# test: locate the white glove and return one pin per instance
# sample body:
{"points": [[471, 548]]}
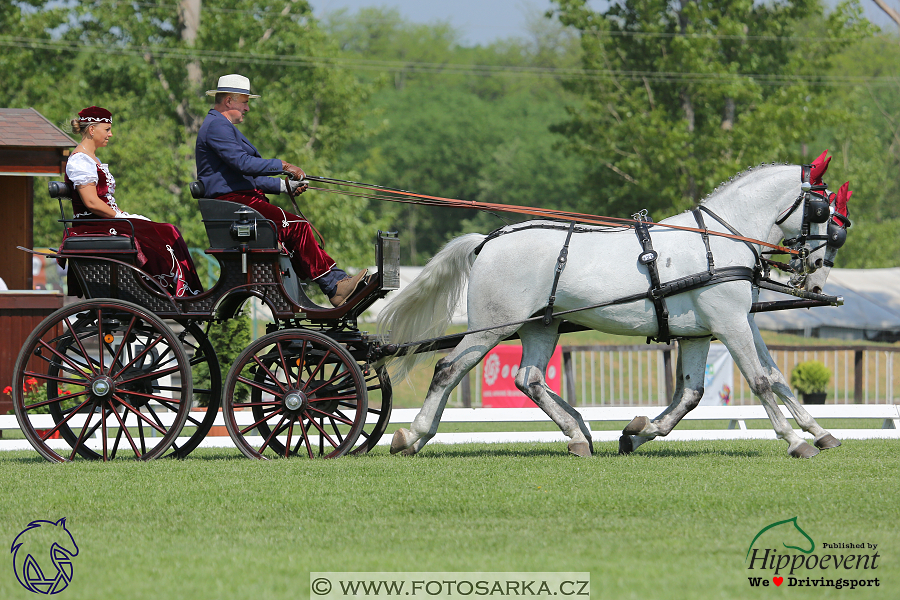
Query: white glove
{"points": [[294, 185], [125, 215]]}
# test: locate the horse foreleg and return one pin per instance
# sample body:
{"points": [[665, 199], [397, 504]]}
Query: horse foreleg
{"points": [[740, 344], [448, 372], [690, 368], [538, 344], [823, 439]]}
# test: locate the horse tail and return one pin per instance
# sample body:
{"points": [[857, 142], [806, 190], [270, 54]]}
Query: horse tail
{"points": [[424, 309]]}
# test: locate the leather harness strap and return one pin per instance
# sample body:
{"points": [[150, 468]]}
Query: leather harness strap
{"points": [[648, 258], [560, 265]]}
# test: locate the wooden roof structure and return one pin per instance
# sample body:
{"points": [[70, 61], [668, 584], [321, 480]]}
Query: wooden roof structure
{"points": [[30, 144]]}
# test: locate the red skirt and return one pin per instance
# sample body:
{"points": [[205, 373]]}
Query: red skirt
{"points": [[307, 257], [161, 252]]}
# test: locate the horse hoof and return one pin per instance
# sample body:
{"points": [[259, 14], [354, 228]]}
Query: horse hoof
{"points": [[582, 449], [637, 425], [804, 450], [625, 445], [398, 442], [827, 441]]}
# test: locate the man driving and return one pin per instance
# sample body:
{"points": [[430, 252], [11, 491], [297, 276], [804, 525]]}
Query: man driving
{"points": [[231, 168]]}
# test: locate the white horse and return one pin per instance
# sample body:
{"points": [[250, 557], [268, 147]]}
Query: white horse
{"points": [[511, 278]]}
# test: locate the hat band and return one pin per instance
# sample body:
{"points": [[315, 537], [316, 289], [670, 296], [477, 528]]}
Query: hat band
{"points": [[95, 120], [225, 90]]}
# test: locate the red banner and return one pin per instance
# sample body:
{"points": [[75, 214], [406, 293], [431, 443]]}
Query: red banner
{"points": [[498, 382]]}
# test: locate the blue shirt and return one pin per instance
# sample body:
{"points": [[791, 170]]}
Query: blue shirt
{"points": [[228, 162]]}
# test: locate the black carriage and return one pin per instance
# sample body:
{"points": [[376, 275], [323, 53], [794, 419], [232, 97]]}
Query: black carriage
{"points": [[130, 369]]}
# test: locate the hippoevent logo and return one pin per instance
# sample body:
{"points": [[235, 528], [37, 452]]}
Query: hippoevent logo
{"points": [[782, 553], [42, 556]]}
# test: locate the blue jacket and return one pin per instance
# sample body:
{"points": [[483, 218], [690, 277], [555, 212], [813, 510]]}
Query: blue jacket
{"points": [[228, 162]]}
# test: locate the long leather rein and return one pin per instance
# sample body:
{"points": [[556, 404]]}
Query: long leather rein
{"points": [[406, 197]]}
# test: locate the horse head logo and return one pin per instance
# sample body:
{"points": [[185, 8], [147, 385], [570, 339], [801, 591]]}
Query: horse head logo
{"points": [[787, 531], [42, 556]]}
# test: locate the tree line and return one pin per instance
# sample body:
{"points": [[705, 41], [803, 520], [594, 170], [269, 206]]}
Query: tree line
{"points": [[646, 104]]}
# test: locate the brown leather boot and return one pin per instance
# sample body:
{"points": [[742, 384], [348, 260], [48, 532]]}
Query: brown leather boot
{"points": [[347, 287]]}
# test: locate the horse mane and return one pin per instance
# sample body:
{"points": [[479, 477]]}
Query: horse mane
{"points": [[746, 172]]}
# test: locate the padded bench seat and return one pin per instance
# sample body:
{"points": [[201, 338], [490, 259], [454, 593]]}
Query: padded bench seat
{"points": [[104, 243]]}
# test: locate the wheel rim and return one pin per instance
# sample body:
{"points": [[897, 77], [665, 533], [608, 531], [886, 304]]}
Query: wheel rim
{"points": [[101, 368], [379, 409], [206, 393], [295, 393]]}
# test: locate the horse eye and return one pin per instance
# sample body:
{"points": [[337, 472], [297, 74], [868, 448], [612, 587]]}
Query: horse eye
{"points": [[819, 263]]}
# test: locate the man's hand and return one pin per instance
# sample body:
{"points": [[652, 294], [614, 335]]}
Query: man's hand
{"points": [[295, 172], [296, 187]]}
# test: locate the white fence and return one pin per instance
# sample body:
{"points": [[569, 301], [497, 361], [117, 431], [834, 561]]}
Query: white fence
{"points": [[734, 419]]}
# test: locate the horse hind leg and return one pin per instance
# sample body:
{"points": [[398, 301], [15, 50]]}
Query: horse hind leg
{"points": [[538, 344], [448, 372]]}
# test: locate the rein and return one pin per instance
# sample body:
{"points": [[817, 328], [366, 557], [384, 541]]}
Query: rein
{"points": [[405, 197]]}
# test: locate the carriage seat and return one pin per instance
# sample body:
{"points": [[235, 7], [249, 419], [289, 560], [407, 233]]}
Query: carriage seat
{"points": [[87, 244], [222, 220]]}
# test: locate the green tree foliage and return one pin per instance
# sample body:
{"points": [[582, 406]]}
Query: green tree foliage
{"points": [[229, 338], [150, 66], [867, 151], [680, 95], [469, 123]]}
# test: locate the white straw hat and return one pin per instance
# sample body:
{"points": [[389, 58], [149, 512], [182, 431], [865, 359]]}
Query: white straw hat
{"points": [[232, 84]]}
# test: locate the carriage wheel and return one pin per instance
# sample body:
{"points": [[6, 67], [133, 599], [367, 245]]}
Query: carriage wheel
{"points": [[102, 369], [379, 382], [207, 392], [295, 393]]}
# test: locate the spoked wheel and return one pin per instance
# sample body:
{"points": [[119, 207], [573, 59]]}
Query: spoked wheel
{"points": [[206, 393], [379, 411], [295, 393], [99, 378]]}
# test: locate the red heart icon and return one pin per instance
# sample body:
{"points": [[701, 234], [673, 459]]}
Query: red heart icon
{"points": [[778, 580]]}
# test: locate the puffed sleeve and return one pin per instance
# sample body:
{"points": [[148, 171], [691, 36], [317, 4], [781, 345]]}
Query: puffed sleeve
{"points": [[81, 169]]}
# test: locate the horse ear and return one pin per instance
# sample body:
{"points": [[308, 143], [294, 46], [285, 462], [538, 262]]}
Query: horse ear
{"points": [[819, 166], [61, 522]]}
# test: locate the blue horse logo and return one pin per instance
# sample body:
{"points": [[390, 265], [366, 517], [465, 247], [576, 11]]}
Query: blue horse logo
{"points": [[42, 556]]}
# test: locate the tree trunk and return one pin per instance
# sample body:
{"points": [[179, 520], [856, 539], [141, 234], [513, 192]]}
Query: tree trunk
{"points": [[728, 116], [893, 14], [189, 16]]}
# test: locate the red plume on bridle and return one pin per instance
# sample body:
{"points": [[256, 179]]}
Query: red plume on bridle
{"points": [[840, 207], [819, 166]]}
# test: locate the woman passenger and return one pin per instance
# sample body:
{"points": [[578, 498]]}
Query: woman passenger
{"points": [[161, 251]]}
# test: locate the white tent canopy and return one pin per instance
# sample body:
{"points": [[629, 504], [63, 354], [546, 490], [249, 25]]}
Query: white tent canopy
{"points": [[871, 308]]}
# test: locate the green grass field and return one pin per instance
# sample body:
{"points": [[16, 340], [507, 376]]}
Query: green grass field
{"points": [[673, 521]]}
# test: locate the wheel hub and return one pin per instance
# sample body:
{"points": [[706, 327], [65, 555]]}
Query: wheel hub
{"points": [[295, 400], [102, 387]]}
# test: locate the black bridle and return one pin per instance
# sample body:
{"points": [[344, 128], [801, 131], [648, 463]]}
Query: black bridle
{"points": [[818, 206]]}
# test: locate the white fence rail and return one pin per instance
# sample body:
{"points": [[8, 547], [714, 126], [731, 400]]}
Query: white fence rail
{"points": [[735, 416]]}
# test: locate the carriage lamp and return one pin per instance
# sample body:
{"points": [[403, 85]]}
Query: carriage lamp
{"points": [[244, 230]]}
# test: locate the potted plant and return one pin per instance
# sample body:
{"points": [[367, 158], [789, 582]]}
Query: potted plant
{"points": [[811, 379]]}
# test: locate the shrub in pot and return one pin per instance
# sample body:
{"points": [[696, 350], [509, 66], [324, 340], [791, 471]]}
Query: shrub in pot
{"points": [[811, 379]]}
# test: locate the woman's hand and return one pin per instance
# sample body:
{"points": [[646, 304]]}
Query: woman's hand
{"points": [[92, 201]]}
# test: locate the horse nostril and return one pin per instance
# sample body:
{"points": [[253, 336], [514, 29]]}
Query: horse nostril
{"points": [[817, 290]]}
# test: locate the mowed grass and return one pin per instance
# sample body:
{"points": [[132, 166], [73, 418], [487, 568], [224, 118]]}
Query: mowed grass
{"points": [[672, 521]]}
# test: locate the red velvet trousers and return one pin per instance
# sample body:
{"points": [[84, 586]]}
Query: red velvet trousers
{"points": [[161, 251], [307, 257]]}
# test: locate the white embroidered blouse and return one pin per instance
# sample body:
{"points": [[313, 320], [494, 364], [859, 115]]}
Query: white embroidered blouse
{"points": [[82, 170]]}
